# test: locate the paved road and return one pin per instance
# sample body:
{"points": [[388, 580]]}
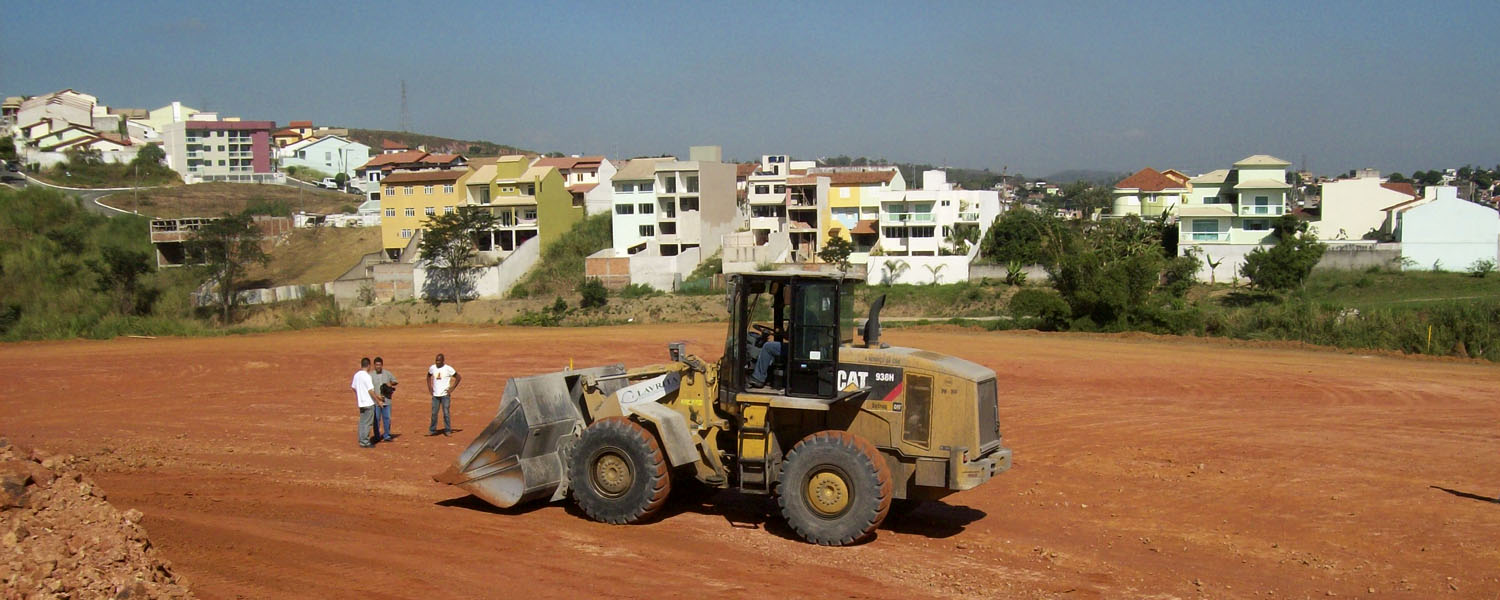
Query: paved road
{"points": [[89, 198]]}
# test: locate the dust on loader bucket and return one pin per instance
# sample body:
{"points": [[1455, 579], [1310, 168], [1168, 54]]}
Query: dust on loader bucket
{"points": [[839, 433], [518, 457]]}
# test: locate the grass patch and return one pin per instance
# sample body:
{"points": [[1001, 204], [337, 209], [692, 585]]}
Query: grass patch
{"points": [[214, 199], [561, 267], [107, 175]]}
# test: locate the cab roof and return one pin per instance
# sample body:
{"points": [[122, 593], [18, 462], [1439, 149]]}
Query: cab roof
{"points": [[799, 274]]}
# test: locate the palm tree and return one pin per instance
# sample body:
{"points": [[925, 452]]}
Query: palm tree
{"points": [[893, 269], [936, 272]]}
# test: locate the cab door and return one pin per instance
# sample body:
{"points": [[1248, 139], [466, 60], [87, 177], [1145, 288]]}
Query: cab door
{"points": [[812, 368]]}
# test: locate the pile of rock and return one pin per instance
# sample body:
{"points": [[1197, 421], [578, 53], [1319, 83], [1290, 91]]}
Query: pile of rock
{"points": [[59, 538]]}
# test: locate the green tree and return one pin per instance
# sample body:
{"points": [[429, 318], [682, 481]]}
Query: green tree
{"points": [[1287, 264], [1026, 236], [1115, 276], [893, 269], [961, 236], [7, 148], [450, 254], [836, 252], [150, 154], [1397, 178], [593, 293], [121, 273], [340, 179], [1086, 197], [228, 246]]}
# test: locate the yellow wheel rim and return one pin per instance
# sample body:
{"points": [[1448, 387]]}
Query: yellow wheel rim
{"points": [[828, 493], [612, 475]]}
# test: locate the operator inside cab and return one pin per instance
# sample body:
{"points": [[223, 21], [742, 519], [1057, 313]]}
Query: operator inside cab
{"points": [[771, 338]]}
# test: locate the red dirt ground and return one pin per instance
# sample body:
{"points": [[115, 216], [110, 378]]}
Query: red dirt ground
{"points": [[1145, 468]]}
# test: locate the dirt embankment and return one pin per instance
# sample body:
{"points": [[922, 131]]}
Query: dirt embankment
{"points": [[59, 538]]}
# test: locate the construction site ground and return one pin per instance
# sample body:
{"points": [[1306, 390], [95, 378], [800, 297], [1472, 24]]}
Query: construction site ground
{"points": [[1145, 468]]}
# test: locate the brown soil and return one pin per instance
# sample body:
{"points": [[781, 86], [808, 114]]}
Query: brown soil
{"points": [[61, 539], [1144, 468], [214, 199], [316, 255]]}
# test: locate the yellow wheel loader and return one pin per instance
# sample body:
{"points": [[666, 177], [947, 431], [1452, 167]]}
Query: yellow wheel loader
{"points": [[795, 409]]}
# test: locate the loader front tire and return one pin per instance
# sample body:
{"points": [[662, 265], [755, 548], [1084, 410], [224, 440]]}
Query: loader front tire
{"points": [[834, 488], [618, 473]]}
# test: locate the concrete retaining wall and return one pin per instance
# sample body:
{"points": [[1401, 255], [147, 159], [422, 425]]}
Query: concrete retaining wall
{"points": [[613, 271], [1360, 255]]}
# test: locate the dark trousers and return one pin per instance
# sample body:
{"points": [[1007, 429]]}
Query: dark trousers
{"points": [[432, 423]]}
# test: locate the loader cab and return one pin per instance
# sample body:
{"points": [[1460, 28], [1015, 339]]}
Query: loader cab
{"points": [[809, 314]]}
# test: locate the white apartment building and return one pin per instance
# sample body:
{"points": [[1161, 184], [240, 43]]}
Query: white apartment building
{"points": [[634, 201], [330, 154], [920, 222], [1352, 208], [1230, 212]]}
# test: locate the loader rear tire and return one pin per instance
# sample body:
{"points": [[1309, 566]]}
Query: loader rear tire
{"points": [[834, 489], [618, 473]]}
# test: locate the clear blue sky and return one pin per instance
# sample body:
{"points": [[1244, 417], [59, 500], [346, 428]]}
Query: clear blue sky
{"points": [[1037, 86]]}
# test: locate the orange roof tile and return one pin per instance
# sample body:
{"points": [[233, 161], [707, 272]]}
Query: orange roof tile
{"points": [[1403, 187], [300, 124], [570, 162], [1148, 180], [864, 226], [390, 145], [423, 176], [858, 177]]}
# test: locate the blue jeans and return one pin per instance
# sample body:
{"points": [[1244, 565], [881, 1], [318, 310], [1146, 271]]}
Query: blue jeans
{"points": [[769, 352], [383, 418], [432, 424]]}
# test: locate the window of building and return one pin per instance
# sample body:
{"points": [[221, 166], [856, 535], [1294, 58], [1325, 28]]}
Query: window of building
{"points": [[893, 232], [427, 189], [221, 148], [647, 186], [843, 192], [625, 187], [429, 211], [327, 156], [648, 230], [689, 203], [922, 232], [221, 163], [668, 228], [692, 184], [762, 189], [447, 210], [529, 214], [390, 212], [447, 188], [408, 190], [301, 154], [780, 189], [1257, 225], [646, 208], [390, 190], [411, 211], [624, 209], [529, 189], [947, 202]]}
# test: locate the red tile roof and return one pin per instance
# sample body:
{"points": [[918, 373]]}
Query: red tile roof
{"points": [[1403, 187], [440, 158], [300, 124], [394, 158], [1148, 180], [570, 162], [864, 226], [745, 169], [115, 137], [582, 188], [390, 145], [858, 177], [423, 176], [285, 133]]}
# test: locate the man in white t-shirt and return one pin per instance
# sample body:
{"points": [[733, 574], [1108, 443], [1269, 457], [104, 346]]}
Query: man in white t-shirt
{"points": [[442, 379], [367, 398]]}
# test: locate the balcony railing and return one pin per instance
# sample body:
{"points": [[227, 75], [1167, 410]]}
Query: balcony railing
{"points": [[907, 217], [1262, 210], [971, 217], [1205, 236]]}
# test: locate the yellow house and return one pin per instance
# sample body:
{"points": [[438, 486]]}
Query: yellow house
{"points": [[410, 197], [530, 201]]}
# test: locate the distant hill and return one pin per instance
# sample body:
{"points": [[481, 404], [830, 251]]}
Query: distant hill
{"points": [[1088, 175], [373, 138]]}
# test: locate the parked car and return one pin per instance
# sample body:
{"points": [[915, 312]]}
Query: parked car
{"points": [[12, 172]]}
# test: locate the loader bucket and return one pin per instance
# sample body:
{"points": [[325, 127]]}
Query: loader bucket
{"points": [[520, 456]]}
